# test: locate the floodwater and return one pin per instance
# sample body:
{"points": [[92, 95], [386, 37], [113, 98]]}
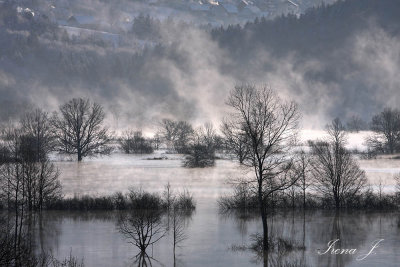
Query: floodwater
{"points": [[213, 239]]}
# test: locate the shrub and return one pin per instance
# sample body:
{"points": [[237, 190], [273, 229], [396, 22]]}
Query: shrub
{"points": [[243, 199], [199, 156], [185, 201], [140, 199]]}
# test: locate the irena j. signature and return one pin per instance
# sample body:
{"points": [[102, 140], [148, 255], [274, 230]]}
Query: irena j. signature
{"points": [[349, 251]]}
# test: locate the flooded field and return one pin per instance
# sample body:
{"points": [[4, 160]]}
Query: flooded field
{"points": [[213, 238]]}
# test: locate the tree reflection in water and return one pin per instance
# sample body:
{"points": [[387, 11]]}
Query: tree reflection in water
{"points": [[144, 228], [303, 233], [309, 229]]}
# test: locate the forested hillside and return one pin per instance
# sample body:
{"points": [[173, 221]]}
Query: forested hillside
{"points": [[331, 60]]}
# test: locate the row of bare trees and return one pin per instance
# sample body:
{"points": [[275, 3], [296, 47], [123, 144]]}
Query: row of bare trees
{"points": [[28, 180], [385, 127], [335, 171], [76, 129], [153, 218], [198, 144], [133, 142], [28, 177], [386, 132], [262, 132], [269, 127]]}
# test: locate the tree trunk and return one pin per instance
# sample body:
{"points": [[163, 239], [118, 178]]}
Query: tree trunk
{"points": [[265, 257], [293, 200], [337, 202], [79, 154], [263, 216], [304, 189]]}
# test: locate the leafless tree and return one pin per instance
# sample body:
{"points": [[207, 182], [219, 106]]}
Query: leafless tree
{"points": [[15, 252], [300, 172], [201, 150], [386, 127], [134, 142], [184, 134], [79, 129], [33, 141], [168, 195], [48, 185], [37, 125], [302, 168], [292, 191], [27, 178], [270, 126], [6, 244], [177, 134], [168, 132], [142, 228], [156, 141], [207, 135], [235, 140], [13, 184], [178, 231], [336, 173], [356, 124]]}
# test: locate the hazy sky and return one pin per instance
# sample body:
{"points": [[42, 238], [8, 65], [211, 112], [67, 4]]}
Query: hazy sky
{"points": [[192, 80]]}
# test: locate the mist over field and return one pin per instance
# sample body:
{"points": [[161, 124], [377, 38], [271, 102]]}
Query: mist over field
{"points": [[333, 60], [199, 133]]}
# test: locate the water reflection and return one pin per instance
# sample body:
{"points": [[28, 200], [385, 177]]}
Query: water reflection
{"points": [[222, 239], [304, 234], [141, 228], [143, 260], [144, 228], [95, 236]]}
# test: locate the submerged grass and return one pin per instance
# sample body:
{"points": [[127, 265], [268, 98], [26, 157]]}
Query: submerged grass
{"points": [[274, 244], [135, 199], [243, 199]]}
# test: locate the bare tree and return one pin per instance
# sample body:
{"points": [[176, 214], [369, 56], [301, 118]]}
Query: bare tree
{"points": [[270, 126], [235, 140], [178, 231], [302, 168], [48, 185], [79, 129], [356, 124], [207, 135], [335, 172], [168, 195], [26, 177], [177, 134], [168, 132], [7, 255], [39, 174], [37, 125], [184, 134], [201, 150], [134, 142], [386, 127], [156, 141]]}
